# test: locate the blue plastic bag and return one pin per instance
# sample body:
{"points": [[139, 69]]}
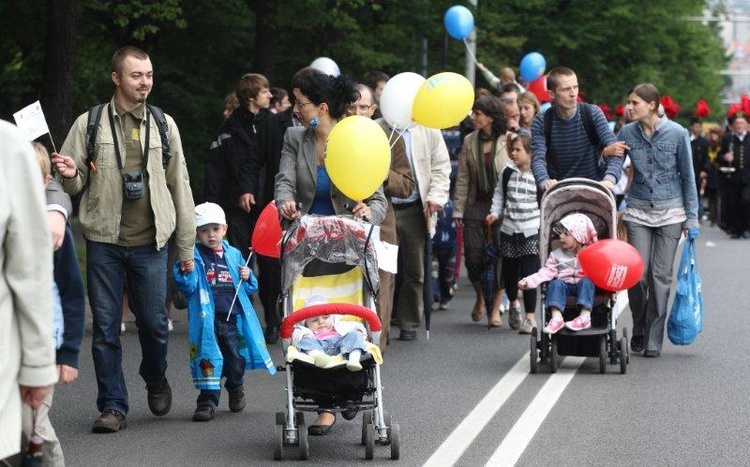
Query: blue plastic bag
{"points": [[686, 318]]}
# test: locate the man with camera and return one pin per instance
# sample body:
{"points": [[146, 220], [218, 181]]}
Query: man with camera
{"points": [[129, 168]]}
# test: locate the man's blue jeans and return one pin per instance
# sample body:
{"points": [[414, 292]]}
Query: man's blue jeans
{"points": [[146, 267], [233, 367], [558, 292]]}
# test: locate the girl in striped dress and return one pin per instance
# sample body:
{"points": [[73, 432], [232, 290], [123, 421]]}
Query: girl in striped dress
{"points": [[515, 202]]}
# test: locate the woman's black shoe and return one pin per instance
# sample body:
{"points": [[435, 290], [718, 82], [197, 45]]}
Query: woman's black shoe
{"points": [[320, 430]]}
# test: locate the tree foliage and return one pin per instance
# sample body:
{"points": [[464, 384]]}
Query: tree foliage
{"points": [[200, 49]]}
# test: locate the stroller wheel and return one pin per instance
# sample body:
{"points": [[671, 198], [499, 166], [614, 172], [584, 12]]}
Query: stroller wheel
{"points": [[603, 354], [304, 445], [395, 441], [623, 355], [369, 434], [366, 420], [533, 353], [278, 440], [627, 348], [553, 360]]}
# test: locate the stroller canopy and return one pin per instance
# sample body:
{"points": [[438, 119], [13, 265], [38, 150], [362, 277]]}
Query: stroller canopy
{"points": [[331, 239]]}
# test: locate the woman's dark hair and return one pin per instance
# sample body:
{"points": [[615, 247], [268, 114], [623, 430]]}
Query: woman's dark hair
{"points": [[648, 93], [338, 93], [492, 107]]}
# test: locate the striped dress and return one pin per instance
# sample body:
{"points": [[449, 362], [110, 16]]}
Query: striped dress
{"points": [[520, 213]]}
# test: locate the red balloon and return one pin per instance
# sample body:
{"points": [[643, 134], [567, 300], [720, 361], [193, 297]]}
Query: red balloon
{"points": [[266, 239], [539, 88], [611, 264]]}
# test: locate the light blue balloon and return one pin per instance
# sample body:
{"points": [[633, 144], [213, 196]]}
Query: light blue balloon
{"points": [[458, 22], [532, 66]]}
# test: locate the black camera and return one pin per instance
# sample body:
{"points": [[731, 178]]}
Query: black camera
{"points": [[132, 183]]}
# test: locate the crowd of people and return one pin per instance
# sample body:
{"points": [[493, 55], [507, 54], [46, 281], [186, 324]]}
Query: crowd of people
{"points": [[449, 194]]}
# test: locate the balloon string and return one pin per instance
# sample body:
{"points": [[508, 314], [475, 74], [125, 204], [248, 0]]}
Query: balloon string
{"points": [[397, 136], [468, 49]]}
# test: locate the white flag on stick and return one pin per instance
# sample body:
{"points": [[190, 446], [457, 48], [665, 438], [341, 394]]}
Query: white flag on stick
{"points": [[30, 120]]}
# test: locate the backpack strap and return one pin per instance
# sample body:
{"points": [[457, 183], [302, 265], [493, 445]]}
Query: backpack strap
{"points": [[507, 173], [588, 125], [161, 123], [92, 126]]}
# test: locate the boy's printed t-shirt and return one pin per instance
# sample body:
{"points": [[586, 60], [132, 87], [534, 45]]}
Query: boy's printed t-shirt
{"points": [[219, 280]]}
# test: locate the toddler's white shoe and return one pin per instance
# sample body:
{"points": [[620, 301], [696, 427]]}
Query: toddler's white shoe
{"points": [[353, 365]]}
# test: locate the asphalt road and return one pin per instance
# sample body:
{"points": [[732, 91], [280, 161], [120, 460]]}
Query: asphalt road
{"points": [[465, 397]]}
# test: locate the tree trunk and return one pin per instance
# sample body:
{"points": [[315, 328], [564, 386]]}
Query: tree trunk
{"points": [[266, 36], [59, 67]]}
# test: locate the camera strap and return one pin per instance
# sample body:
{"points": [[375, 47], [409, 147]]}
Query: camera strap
{"points": [[117, 146]]}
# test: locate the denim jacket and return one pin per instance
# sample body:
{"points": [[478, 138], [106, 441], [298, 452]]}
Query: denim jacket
{"points": [[663, 175]]}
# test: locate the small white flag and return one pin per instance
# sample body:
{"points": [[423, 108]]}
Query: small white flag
{"points": [[30, 120]]}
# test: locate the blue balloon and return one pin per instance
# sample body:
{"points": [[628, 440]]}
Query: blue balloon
{"points": [[458, 22], [532, 66]]}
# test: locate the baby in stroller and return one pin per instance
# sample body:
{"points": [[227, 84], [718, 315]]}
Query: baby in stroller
{"points": [[565, 275], [324, 336]]}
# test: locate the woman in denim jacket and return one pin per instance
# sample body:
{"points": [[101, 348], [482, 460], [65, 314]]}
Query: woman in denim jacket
{"points": [[661, 204]]}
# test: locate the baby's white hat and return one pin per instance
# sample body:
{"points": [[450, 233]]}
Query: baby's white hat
{"points": [[209, 213]]}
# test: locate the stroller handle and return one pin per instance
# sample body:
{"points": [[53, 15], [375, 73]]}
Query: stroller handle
{"points": [[287, 325]]}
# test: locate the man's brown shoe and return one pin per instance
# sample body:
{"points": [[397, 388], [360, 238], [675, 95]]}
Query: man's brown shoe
{"points": [[159, 397], [110, 421]]}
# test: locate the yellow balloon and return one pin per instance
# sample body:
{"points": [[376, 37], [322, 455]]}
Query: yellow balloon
{"points": [[443, 101], [358, 156]]}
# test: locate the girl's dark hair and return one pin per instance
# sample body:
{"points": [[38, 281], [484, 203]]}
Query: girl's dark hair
{"points": [[492, 107], [525, 141], [648, 93], [338, 93]]}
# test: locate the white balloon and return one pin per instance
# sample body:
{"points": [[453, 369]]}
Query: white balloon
{"points": [[326, 65], [398, 97]]}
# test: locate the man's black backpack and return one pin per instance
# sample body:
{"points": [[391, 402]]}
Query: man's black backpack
{"points": [[95, 115]]}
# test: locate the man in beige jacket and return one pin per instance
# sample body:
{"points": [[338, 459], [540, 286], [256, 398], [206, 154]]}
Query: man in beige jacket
{"points": [[134, 198], [27, 354]]}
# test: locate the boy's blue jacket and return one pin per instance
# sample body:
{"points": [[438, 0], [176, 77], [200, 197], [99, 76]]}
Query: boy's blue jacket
{"points": [[206, 361]]}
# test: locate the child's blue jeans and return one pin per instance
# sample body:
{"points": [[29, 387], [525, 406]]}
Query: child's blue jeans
{"points": [[559, 291], [233, 368]]}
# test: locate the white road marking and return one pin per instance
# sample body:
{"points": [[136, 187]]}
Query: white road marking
{"points": [[461, 438], [519, 437]]}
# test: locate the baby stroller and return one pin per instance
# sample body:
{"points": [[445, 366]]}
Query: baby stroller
{"points": [[598, 203], [331, 257]]}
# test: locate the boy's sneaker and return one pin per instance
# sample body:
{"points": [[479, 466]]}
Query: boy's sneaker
{"points": [[123, 328], [526, 327], [444, 306], [110, 421], [237, 400], [578, 324], [203, 414], [553, 326]]}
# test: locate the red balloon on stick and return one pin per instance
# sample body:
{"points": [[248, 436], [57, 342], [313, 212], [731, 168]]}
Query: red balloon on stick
{"points": [[266, 239], [611, 264], [539, 88]]}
